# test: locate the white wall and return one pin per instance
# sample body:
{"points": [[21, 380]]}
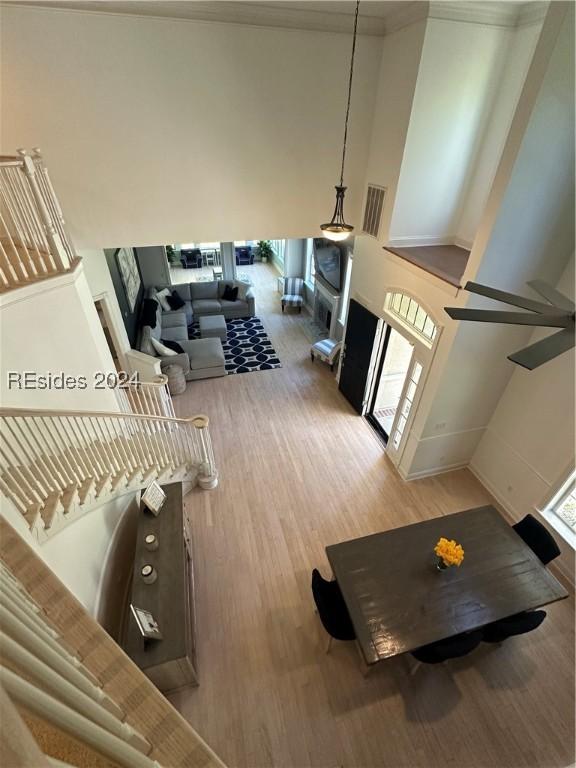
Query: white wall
{"points": [[159, 130], [401, 53], [527, 233], [520, 47], [52, 327], [295, 258], [460, 72], [77, 554], [529, 442], [101, 287]]}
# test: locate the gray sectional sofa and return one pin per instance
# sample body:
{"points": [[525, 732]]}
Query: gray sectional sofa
{"points": [[201, 358], [206, 299]]}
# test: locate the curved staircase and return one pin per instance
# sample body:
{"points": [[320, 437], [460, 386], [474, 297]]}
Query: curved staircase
{"points": [[57, 465]]}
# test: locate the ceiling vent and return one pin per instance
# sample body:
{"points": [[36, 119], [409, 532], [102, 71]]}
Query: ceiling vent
{"points": [[373, 210]]}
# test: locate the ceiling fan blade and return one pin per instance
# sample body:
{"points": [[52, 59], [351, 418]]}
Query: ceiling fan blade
{"points": [[509, 298], [544, 350], [515, 318], [552, 295]]}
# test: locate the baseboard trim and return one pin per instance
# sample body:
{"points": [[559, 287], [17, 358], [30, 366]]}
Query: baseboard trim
{"points": [[415, 240], [509, 508], [429, 472]]}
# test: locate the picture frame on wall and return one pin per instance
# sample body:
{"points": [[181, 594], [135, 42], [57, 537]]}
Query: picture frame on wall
{"points": [[129, 274]]}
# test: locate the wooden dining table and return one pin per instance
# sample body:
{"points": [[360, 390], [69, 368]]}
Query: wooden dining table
{"points": [[399, 601]]}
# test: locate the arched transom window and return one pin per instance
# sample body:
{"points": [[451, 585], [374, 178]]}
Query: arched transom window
{"points": [[410, 313]]}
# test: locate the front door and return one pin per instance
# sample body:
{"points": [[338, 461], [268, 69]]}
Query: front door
{"points": [[358, 345], [395, 362]]}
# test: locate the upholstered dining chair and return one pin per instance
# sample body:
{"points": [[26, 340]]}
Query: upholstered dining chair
{"points": [[331, 609], [450, 648], [538, 538], [519, 624], [293, 293]]}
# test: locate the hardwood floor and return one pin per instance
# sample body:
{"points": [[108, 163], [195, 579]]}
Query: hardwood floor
{"points": [[299, 470]]}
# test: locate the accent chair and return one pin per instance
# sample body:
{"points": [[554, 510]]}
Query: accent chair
{"points": [[293, 293]]}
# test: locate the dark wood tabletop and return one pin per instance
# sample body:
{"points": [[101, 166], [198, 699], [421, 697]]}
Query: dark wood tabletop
{"points": [[398, 601]]}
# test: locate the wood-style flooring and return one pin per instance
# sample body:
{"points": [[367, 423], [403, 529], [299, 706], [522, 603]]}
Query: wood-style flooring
{"points": [[299, 470]]}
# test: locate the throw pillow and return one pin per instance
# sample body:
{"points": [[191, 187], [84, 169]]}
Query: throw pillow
{"points": [[172, 345], [149, 307], [161, 349], [230, 294], [162, 297], [242, 290], [175, 301]]}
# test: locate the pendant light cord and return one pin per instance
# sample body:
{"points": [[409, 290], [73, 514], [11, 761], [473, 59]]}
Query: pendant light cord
{"points": [[349, 93]]}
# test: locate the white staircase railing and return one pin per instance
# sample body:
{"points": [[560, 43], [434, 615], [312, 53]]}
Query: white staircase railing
{"points": [[149, 397], [34, 243], [40, 675], [56, 464]]}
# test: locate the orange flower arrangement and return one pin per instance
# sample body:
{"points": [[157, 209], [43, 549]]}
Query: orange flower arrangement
{"points": [[448, 552]]}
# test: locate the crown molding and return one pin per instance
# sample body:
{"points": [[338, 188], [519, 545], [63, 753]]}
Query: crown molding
{"points": [[533, 12], [408, 13], [496, 14], [271, 15]]}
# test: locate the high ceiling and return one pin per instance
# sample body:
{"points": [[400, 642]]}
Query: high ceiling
{"points": [[376, 17]]}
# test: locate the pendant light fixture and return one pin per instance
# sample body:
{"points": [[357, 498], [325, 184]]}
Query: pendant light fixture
{"points": [[337, 229]]}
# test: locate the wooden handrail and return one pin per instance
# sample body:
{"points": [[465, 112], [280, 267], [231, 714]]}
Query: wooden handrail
{"points": [[201, 421]]}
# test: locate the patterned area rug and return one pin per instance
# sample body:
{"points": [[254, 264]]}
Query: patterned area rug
{"points": [[247, 347]]}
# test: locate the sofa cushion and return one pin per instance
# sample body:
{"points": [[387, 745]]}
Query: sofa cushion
{"points": [[177, 333], [204, 353], [243, 289], [162, 298], [207, 290], [206, 307], [237, 306], [171, 319]]}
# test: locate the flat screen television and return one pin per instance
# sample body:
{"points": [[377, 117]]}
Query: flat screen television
{"points": [[327, 260]]}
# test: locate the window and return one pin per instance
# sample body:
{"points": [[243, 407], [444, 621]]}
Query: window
{"points": [[278, 246], [346, 291], [412, 315], [561, 512], [310, 274]]}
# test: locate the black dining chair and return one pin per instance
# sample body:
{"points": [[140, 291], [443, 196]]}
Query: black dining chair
{"points": [[538, 538], [450, 648], [518, 624], [331, 609]]}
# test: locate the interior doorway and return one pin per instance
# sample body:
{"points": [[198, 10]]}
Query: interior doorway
{"points": [[394, 364], [109, 331]]}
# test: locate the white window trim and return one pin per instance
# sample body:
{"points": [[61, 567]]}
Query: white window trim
{"points": [[546, 509]]}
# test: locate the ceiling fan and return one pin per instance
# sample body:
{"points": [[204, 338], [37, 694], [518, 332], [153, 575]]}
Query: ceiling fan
{"points": [[558, 313]]}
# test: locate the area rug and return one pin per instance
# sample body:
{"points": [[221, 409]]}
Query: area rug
{"points": [[247, 347]]}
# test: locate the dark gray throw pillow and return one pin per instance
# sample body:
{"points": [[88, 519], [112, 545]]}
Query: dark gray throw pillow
{"points": [[171, 345], [175, 301], [230, 294]]}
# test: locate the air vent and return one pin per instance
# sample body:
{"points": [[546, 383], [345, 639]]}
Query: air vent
{"points": [[373, 210]]}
